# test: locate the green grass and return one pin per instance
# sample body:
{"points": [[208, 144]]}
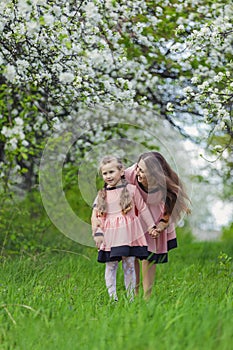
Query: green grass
{"points": [[58, 300]]}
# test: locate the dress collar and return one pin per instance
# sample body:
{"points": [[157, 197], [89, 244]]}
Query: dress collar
{"points": [[114, 187]]}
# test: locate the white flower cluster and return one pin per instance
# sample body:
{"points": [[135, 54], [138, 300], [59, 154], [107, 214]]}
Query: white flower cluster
{"points": [[15, 134], [210, 46], [81, 48], [60, 57]]}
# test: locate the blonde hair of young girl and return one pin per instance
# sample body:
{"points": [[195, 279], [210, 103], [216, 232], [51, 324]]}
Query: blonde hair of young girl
{"points": [[125, 198]]}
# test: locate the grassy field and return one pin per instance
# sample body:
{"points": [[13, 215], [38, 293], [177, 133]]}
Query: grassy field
{"points": [[58, 300]]}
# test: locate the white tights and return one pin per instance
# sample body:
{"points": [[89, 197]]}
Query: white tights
{"points": [[129, 276]]}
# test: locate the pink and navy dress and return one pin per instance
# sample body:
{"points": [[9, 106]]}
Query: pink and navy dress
{"points": [[124, 234], [158, 248]]}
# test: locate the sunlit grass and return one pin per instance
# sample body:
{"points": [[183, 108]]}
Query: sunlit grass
{"points": [[58, 301]]}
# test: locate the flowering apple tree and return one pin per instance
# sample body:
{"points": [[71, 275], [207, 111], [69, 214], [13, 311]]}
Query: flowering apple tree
{"points": [[65, 61]]}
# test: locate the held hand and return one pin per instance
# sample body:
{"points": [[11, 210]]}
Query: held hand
{"points": [[98, 238], [154, 233], [98, 241], [161, 226]]}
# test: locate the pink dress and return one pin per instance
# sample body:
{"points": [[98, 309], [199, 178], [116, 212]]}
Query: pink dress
{"points": [[158, 248], [124, 234]]}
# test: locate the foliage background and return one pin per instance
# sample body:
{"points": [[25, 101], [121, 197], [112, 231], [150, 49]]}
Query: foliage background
{"points": [[162, 66]]}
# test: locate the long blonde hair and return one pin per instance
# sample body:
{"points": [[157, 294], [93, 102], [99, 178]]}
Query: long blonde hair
{"points": [[125, 198]]}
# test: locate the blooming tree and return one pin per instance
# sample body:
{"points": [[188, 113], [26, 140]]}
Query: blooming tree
{"points": [[208, 46], [80, 60]]}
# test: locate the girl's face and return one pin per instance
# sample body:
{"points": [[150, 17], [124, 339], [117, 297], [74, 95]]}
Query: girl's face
{"points": [[141, 173], [148, 182], [111, 174]]}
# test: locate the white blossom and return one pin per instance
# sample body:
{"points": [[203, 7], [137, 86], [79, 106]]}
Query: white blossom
{"points": [[19, 121], [57, 10], [10, 72], [49, 19], [194, 80], [170, 107], [25, 143], [219, 77], [5, 131], [204, 85], [32, 27], [188, 89], [17, 168], [21, 135], [24, 6], [44, 127], [181, 27], [91, 11], [66, 77], [13, 142]]}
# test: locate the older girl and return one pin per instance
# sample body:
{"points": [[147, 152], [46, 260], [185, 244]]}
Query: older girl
{"points": [[165, 196]]}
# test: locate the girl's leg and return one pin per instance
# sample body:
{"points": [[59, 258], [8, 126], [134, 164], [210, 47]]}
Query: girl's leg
{"points": [[110, 278], [129, 275], [148, 275], [137, 271]]}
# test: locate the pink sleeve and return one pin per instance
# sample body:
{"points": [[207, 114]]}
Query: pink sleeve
{"points": [[94, 219], [143, 211], [95, 202], [97, 222], [130, 174]]}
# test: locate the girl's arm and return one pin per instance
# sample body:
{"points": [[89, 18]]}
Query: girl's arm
{"points": [[154, 229], [163, 223], [97, 232], [143, 210], [95, 220]]}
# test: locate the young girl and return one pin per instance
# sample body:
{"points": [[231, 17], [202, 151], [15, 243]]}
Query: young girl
{"points": [[165, 196], [119, 236]]}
